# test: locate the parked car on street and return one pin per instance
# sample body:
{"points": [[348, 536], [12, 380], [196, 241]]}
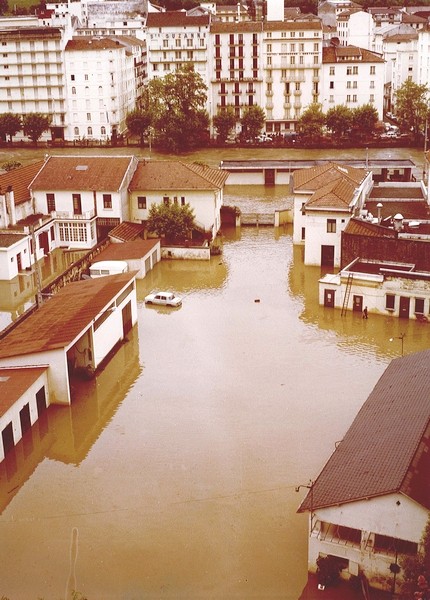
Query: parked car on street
{"points": [[163, 299]]}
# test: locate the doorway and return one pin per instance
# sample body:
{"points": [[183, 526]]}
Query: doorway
{"points": [[329, 298], [357, 304], [404, 307], [327, 256]]}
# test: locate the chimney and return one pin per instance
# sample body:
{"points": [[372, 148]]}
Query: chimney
{"points": [[10, 205], [398, 222]]}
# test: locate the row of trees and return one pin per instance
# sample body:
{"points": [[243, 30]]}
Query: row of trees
{"points": [[173, 116], [32, 124]]}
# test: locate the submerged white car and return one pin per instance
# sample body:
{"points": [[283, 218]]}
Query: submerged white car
{"points": [[164, 299]]}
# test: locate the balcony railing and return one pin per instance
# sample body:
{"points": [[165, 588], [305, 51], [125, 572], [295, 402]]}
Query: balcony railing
{"points": [[71, 216]]}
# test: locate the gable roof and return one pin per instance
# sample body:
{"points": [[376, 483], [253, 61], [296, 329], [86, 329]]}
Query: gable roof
{"points": [[19, 180], [345, 54], [361, 227], [85, 173], [176, 175], [385, 450], [316, 177], [338, 194], [59, 320]]}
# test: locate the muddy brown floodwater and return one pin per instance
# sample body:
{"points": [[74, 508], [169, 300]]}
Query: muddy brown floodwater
{"points": [[173, 474]]}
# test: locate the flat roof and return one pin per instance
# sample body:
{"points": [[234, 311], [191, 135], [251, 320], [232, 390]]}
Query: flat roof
{"points": [[292, 165]]}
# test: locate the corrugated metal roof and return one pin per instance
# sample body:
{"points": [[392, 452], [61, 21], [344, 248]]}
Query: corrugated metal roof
{"points": [[176, 175], [64, 316], [86, 173], [386, 448]]}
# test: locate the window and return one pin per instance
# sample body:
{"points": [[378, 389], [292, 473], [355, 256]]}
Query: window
{"points": [[385, 543], [141, 202], [103, 130], [76, 131], [107, 200], [419, 306], [90, 131], [182, 200], [73, 90], [77, 205], [331, 71], [372, 70], [390, 301], [50, 200], [303, 233], [166, 200], [331, 225], [88, 116]]}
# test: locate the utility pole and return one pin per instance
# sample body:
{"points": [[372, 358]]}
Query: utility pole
{"points": [[39, 297]]}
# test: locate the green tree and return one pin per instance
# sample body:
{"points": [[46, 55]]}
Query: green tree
{"points": [[178, 107], [10, 124], [172, 221], [412, 106], [252, 121], [312, 121], [417, 566], [224, 122], [339, 119], [4, 7], [138, 123], [34, 124], [364, 120]]}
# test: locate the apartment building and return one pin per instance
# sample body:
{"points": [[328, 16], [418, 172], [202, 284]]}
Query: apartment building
{"points": [[32, 73], [174, 39], [353, 77], [104, 82], [275, 65], [355, 27]]}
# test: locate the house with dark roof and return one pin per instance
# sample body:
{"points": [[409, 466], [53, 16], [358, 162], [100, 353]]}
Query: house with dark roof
{"points": [[370, 503], [325, 197], [162, 181], [74, 331], [385, 256]]}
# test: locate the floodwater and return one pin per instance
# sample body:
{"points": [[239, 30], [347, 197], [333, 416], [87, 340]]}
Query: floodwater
{"points": [[173, 474]]}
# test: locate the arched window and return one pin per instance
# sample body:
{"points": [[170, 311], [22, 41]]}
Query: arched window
{"points": [[90, 131], [100, 90], [87, 90], [76, 130], [73, 90], [103, 130]]}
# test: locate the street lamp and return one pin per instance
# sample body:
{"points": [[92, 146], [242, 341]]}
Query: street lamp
{"points": [[399, 337], [309, 486]]}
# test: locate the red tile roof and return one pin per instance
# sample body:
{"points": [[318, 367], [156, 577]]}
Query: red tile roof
{"points": [[84, 173], [176, 19], [14, 383], [338, 194], [386, 448], [19, 180], [127, 231], [9, 239], [128, 250], [362, 227], [97, 43], [176, 175], [59, 320], [345, 54], [314, 178]]}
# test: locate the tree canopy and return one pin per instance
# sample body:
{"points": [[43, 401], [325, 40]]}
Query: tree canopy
{"points": [[412, 106], [138, 123], [224, 121], [177, 104], [339, 119], [364, 120], [34, 124], [252, 122], [172, 221], [10, 124], [312, 121]]}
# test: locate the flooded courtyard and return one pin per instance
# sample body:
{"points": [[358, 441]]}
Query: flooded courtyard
{"points": [[173, 473]]}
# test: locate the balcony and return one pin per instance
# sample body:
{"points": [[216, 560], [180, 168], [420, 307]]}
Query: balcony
{"points": [[71, 216]]}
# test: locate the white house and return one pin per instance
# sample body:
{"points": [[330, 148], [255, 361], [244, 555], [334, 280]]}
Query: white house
{"points": [[325, 198], [75, 330], [83, 194], [140, 255], [353, 77], [355, 28], [369, 505], [104, 82], [200, 186], [24, 398]]}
